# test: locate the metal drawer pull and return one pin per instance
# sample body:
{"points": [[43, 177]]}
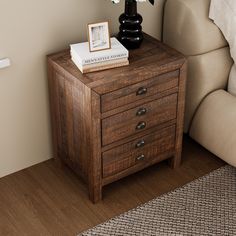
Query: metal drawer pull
{"points": [[141, 91], [140, 144], [141, 112], [140, 158], [141, 125]]}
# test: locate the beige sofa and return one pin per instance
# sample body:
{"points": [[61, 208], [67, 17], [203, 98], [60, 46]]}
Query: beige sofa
{"points": [[210, 110]]}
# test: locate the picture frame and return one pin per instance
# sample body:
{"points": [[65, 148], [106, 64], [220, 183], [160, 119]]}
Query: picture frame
{"points": [[99, 36]]}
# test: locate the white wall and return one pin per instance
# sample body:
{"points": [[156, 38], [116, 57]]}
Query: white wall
{"points": [[29, 30]]}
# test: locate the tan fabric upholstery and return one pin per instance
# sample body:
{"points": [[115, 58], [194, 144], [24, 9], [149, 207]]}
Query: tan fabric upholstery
{"points": [[206, 73], [210, 111], [214, 125], [188, 28]]}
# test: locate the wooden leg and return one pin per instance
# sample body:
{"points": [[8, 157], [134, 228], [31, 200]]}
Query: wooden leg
{"points": [[95, 193], [175, 161]]}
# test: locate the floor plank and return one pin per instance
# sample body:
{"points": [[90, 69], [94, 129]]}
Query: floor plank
{"points": [[46, 200]]}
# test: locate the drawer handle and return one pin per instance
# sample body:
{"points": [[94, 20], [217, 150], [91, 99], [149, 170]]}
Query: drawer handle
{"points": [[140, 158], [141, 112], [141, 91], [141, 125], [140, 144]]}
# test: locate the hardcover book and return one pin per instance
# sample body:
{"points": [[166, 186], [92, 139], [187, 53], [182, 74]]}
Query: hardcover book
{"points": [[83, 56], [101, 65]]}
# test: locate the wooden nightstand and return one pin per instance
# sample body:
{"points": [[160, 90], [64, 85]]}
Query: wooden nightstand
{"points": [[110, 124]]}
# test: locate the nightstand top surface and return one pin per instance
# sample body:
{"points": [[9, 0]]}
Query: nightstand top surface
{"points": [[150, 60]]}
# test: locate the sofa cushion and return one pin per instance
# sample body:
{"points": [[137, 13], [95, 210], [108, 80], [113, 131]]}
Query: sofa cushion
{"points": [[188, 28], [214, 125], [206, 73], [224, 15]]}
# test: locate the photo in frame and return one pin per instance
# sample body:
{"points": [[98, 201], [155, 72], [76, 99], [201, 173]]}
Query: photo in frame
{"points": [[99, 36]]}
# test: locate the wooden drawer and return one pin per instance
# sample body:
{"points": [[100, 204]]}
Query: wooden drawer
{"points": [[138, 119], [139, 151], [138, 91]]}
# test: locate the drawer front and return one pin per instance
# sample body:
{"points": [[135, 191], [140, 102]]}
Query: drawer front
{"points": [[136, 120], [138, 91], [138, 152]]}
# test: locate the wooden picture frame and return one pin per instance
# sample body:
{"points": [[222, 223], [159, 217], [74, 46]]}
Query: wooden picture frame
{"points": [[99, 36]]}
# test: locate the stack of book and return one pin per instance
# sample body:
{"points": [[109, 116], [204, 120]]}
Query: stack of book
{"points": [[87, 61]]}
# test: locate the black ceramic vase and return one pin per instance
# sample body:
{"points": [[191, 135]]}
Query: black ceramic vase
{"points": [[130, 34]]}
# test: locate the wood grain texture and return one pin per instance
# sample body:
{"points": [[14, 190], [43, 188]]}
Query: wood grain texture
{"points": [[95, 165], [128, 94], [138, 167], [125, 124], [139, 102], [71, 120], [158, 128], [50, 201], [176, 161], [153, 58], [128, 155], [102, 112], [54, 105]]}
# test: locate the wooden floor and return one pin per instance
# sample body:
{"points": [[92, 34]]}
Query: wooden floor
{"points": [[45, 200]]}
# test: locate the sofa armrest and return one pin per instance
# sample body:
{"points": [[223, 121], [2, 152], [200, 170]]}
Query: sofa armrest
{"points": [[214, 125], [188, 28], [206, 73]]}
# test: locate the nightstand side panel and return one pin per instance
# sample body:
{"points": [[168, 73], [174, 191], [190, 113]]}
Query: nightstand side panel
{"points": [[71, 120]]}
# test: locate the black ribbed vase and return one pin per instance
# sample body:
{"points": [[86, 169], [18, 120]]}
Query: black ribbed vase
{"points": [[130, 34]]}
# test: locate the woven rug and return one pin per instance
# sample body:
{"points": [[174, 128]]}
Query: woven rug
{"points": [[206, 206]]}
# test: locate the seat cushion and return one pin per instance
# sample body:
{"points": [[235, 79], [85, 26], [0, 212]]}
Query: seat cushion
{"points": [[188, 28], [214, 125]]}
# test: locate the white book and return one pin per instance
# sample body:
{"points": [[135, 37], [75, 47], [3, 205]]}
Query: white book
{"points": [[81, 52], [101, 65]]}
